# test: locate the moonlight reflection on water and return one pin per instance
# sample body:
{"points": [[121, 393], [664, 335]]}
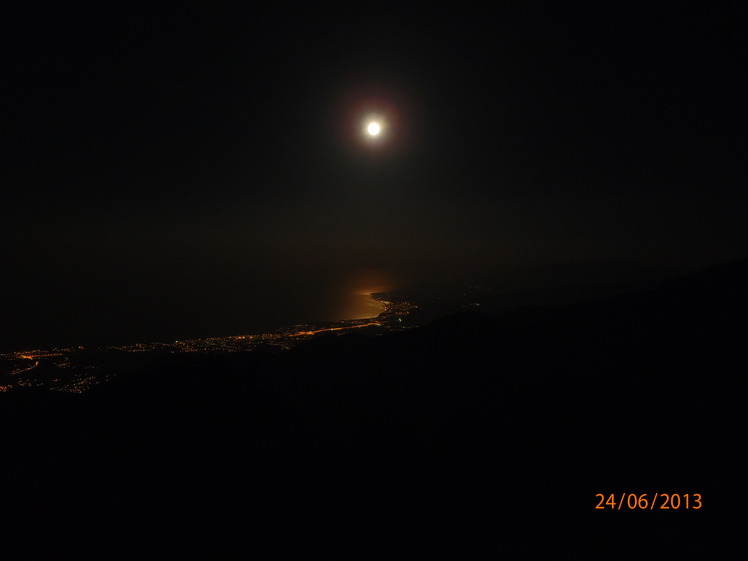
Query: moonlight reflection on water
{"points": [[357, 302], [361, 305]]}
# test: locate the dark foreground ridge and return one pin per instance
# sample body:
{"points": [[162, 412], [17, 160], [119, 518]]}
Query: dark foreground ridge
{"points": [[477, 432]]}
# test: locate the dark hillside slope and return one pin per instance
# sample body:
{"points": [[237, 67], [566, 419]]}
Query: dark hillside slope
{"points": [[472, 432]]}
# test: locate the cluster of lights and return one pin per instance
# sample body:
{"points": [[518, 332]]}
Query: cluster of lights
{"points": [[20, 364]]}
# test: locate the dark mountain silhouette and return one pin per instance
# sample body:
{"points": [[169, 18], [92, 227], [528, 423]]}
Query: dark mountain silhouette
{"points": [[477, 432], [540, 286]]}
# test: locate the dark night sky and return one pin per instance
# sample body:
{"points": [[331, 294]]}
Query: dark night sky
{"points": [[188, 171]]}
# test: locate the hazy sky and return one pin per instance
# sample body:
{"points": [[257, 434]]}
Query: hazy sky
{"points": [[203, 169]]}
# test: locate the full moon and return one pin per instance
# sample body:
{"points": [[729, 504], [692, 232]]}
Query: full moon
{"points": [[373, 129]]}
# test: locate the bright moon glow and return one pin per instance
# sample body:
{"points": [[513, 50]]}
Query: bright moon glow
{"points": [[373, 129]]}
